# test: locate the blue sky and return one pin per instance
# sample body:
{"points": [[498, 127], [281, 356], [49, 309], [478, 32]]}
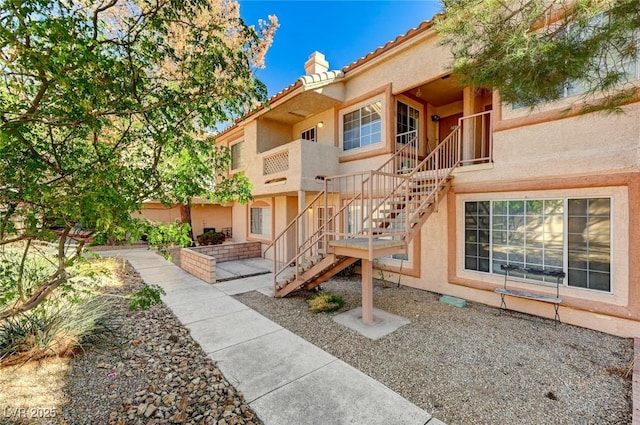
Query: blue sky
{"points": [[343, 30]]}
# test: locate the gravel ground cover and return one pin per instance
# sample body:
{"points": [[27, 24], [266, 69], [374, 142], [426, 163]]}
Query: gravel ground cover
{"points": [[473, 365], [160, 375]]}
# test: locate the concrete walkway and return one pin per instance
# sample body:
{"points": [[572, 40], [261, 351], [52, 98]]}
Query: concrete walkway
{"points": [[285, 379]]}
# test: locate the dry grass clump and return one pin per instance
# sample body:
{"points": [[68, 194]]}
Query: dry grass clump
{"points": [[78, 315], [325, 302], [57, 330]]}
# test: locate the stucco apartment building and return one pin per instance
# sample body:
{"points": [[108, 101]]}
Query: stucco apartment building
{"points": [[391, 161]]}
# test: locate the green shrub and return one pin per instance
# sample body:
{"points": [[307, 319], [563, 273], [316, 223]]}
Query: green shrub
{"points": [[211, 238], [58, 329], [325, 302]]}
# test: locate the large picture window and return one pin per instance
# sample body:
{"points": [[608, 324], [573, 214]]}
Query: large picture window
{"points": [[261, 221], [572, 235], [362, 127]]}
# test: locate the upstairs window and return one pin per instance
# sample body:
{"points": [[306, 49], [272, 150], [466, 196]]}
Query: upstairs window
{"points": [[236, 155], [309, 134], [612, 62], [362, 127]]}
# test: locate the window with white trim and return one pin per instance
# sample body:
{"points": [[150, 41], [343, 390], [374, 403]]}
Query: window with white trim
{"points": [[570, 234], [260, 221], [629, 66], [407, 122], [362, 127], [309, 134], [236, 155], [613, 62]]}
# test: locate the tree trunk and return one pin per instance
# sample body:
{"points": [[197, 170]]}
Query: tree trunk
{"points": [[185, 217]]}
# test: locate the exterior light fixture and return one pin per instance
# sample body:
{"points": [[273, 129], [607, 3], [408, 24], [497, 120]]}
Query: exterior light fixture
{"points": [[321, 124]]}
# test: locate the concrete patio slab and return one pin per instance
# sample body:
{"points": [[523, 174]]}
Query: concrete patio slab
{"points": [[383, 322], [244, 267], [337, 394], [231, 329], [264, 364], [267, 291], [247, 284], [194, 311]]}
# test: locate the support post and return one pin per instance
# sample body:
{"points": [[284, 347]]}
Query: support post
{"points": [[301, 228], [367, 291]]}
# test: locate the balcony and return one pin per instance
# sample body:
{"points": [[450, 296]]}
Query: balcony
{"points": [[295, 166]]}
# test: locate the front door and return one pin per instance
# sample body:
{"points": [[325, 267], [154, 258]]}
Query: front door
{"points": [[447, 125]]}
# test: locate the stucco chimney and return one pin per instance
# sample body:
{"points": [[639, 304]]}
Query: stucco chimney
{"points": [[316, 63]]}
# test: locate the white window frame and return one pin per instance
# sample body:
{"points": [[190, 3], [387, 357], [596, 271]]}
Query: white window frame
{"points": [[359, 107], [265, 220], [313, 129], [416, 107], [238, 164], [577, 87], [565, 247]]}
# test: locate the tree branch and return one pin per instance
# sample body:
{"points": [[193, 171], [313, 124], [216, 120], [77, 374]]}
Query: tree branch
{"points": [[46, 288], [21, 271]]}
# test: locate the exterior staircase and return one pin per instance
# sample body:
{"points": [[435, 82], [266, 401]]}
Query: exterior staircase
{"points": [[365, 215]]}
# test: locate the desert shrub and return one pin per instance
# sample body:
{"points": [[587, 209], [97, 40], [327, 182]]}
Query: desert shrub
{"points": [[18, 277], [58, 328], [325, 302], [78, 314], [211, 238]]}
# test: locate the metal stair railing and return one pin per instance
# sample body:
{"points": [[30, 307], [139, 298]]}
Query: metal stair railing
{"points": [[409, 203], [396, 195], [304, 222]]}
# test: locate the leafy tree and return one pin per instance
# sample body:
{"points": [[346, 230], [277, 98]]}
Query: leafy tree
{"points": [[204, 176], [529, 50], [103, 104]]}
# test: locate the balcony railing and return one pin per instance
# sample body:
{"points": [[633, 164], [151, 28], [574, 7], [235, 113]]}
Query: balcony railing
{"points": [[296, 165], [275, 163]]}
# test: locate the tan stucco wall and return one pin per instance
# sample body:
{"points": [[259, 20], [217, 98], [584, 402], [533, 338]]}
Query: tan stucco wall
{"points": [[581, 145], [271, 134], [418, 60], [324, 135], [157, 212], [306, 161], [441, 269], [239, 222], [202, 215], [543, 159]]}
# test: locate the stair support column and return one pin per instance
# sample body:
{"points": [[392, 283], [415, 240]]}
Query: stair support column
{"points": [[367, 291]]}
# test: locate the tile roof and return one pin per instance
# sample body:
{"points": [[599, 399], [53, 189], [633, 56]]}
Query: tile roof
{"points": [[319, 79], [424, 25], [322, 77]]}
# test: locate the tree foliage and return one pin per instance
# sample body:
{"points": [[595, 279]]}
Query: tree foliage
{"points": [[531, 50], [103, 105]]}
